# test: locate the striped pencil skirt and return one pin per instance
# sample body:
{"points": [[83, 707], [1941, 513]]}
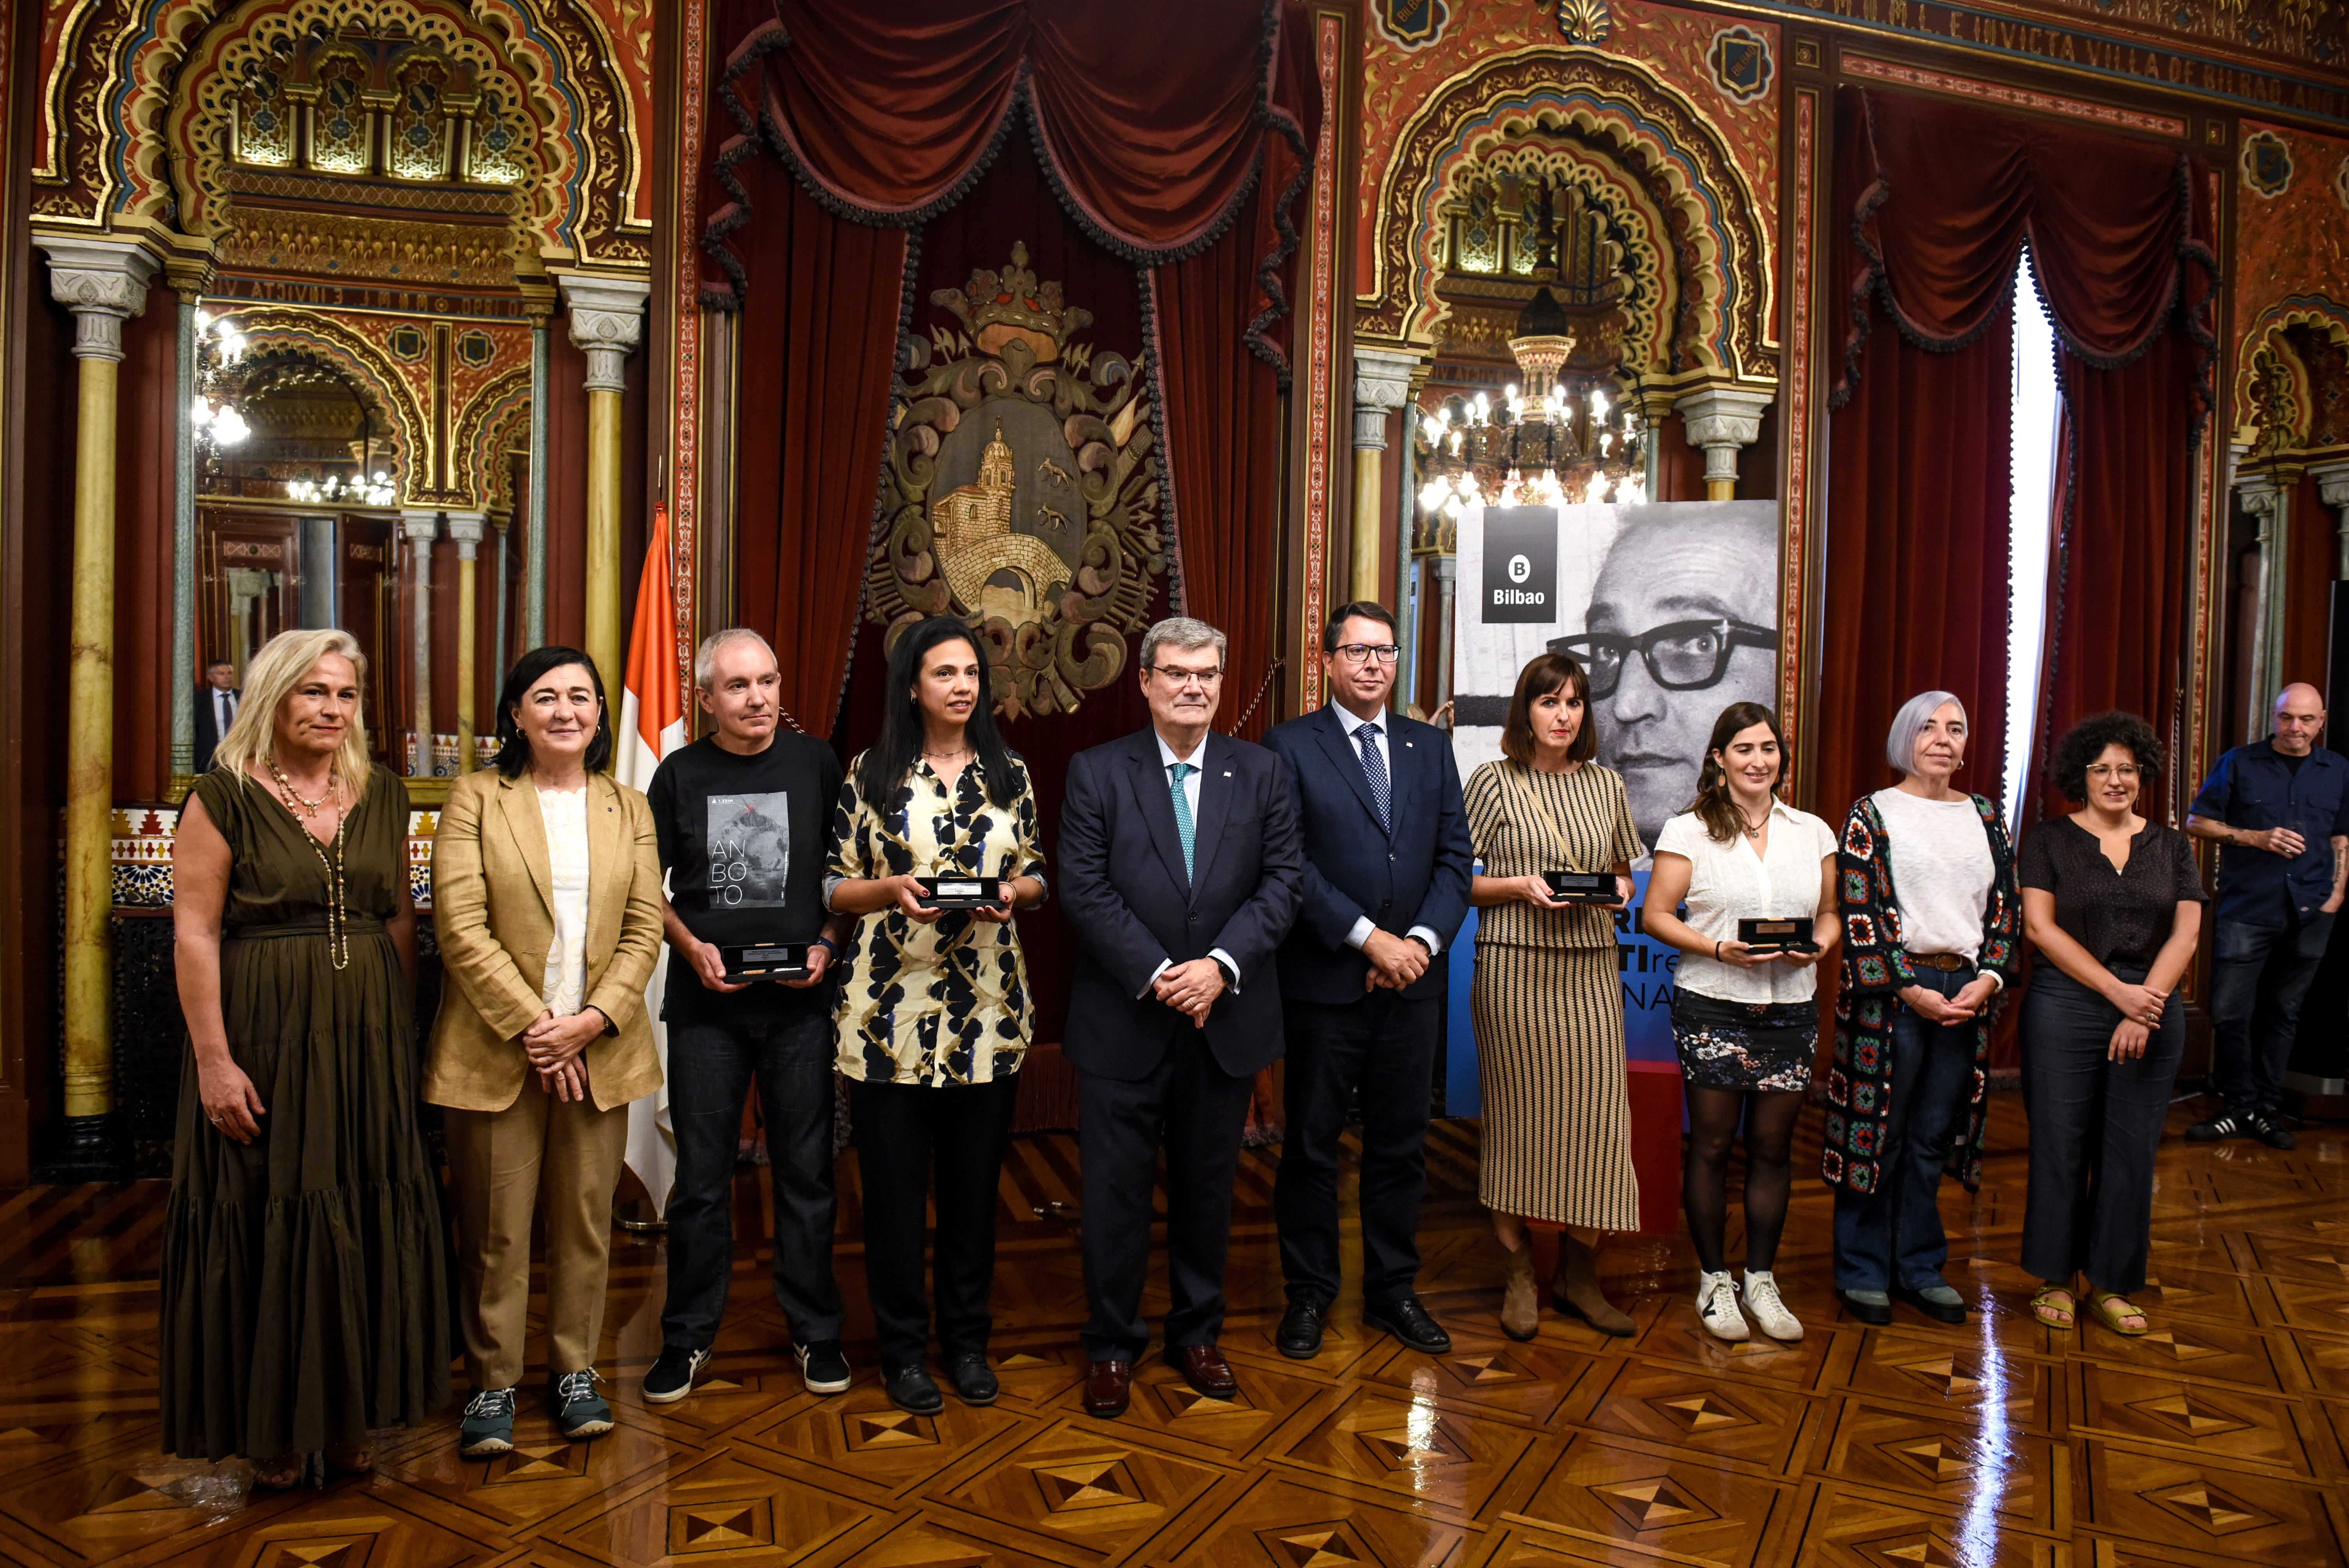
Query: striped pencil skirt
{"points": [[1557, 1113]]}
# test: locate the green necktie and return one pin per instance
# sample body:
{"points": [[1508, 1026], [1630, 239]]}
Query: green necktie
{"points": [[1182, 824]]}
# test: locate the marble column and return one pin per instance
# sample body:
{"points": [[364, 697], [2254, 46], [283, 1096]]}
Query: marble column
{"points": [[183, 537], [104, 283], [533, 537], [1447, 573], [607, 319], [320, 574], [467, 529], [1381, 385], [1723, 420], [2333, 489], [421, 526], [2268, 497]]}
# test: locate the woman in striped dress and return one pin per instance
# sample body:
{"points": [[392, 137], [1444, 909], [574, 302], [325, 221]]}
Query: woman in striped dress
{"points": [[1547, 1004]]}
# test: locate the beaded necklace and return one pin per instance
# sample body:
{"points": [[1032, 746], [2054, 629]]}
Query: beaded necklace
{"points": [[338, 919]]}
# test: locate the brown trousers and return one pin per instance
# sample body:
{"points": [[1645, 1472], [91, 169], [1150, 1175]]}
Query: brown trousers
{"points": [[558, 1159]]}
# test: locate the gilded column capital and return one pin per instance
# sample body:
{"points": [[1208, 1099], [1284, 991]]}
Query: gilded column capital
{"points": [[467, 528], [607, 322], [1381, 385], [103, 282]]}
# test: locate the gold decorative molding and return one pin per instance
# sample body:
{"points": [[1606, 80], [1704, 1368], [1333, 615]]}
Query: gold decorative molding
{"points": [[313, 243]]}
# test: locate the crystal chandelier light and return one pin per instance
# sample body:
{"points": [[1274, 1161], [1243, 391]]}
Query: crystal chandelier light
{"points": [[219, 351]]}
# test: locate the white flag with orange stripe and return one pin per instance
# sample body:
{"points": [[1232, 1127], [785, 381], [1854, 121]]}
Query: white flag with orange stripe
{"points": [[652, 725]]}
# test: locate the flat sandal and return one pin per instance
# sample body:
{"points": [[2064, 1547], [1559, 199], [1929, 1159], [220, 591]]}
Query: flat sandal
{"points": [[2043, 1306], [2110, 1307]]}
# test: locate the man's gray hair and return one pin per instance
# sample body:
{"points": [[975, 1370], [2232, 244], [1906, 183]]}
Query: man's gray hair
{"points": [[1901, 745], [705, 657], [1180, 632]]}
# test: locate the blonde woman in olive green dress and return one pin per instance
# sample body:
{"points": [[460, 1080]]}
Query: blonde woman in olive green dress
{"points": [[1547, 1004], [303, 1299]]}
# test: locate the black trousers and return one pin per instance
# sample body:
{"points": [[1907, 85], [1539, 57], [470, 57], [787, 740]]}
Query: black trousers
{"points": [[1382, 1048], [2095, 1126], [2259, 975], [916, 1147], [710, 1071], [1202, 1111]]}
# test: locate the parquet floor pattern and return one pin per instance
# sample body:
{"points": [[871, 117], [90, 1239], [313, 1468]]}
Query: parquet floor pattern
{"points": [[2221, 1437]]}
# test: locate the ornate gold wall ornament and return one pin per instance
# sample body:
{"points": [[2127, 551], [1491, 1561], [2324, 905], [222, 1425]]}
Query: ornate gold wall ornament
{"points": [[1021, 491], [1586, 22], [309, 244]]}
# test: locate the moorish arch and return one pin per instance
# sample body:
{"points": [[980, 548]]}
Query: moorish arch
{"points": [[119, 69], [1658, 143], [323, 337], [2272, 365], [485, 429]]}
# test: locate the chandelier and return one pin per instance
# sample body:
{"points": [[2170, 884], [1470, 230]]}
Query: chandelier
{"points": [[219, 383], [374, 490], [1567, 434]]}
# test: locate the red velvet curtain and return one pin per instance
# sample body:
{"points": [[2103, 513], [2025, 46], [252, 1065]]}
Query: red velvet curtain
{"points": [[816, 356], [2312, 550]]}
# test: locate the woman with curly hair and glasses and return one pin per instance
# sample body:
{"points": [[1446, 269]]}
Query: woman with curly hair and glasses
{"points": [[2114, 904]]}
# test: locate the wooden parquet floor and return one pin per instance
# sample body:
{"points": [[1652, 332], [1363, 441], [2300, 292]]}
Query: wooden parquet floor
{"points": [[2223, 1437]]}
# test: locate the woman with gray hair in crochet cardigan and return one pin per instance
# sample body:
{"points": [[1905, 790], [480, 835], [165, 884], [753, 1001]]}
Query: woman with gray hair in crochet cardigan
{"points": [[1931, 921]]}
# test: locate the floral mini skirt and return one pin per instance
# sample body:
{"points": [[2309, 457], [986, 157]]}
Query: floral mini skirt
{"points": [[1765, 1045]]}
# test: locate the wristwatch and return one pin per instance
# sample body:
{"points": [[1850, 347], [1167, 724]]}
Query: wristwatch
{"points": [[1231, 981]]}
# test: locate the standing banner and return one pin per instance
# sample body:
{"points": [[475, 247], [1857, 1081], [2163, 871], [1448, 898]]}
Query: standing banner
{"points": [[652, 725], [1671, 608]]}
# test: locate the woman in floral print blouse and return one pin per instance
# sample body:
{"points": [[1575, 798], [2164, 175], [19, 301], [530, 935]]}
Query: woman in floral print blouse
{"points": [[1930, 924], [933, 1015]]}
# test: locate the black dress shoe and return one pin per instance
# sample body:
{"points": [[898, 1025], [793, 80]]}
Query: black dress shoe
{"points": [[1867, 1312], [911, 1390], [1299, 1334], [973, 1381], [1408, 1321]]}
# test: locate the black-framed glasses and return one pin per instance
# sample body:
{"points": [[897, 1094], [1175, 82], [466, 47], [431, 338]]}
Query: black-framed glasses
{"points": [[1203, 679], [1687, 655], [1364, 652]]}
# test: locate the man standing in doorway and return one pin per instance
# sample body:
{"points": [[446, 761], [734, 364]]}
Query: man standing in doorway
{"points": [[744, 815], [1182, 865], [216, 702], [1387, 858], [2281, 808]]}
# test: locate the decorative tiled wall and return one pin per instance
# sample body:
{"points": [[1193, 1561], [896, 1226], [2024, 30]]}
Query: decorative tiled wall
{"points": [[143, 856]]}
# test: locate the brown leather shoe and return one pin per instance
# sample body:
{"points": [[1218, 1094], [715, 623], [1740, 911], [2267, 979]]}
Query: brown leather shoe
{"points": [[1203, 1367], [1107, 1387]]}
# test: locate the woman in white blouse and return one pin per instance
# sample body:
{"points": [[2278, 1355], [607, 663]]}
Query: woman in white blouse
{"points": [[546, 894], [1744, 1017]]}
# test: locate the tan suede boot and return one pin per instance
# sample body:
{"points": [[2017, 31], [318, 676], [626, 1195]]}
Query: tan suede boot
{"points": [[1520, 1309], [1574, 1288]]}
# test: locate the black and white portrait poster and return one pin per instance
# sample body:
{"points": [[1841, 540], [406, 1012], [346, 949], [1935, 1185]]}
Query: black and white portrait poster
{"points": [[750, 850], [1672, 608]]}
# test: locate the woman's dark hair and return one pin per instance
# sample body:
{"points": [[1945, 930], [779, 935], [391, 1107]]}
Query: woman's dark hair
{"points": [[2085, 741], [1544, 674], [887, 761], [514, 746], [1713, 807]]}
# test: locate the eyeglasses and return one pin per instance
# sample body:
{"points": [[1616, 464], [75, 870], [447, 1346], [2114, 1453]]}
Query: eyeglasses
{"points": [[1203, 679], [1687, 655], [1364, 652]]}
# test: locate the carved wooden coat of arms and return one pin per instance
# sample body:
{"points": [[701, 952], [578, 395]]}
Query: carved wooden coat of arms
{"points": [[1021, 491]]}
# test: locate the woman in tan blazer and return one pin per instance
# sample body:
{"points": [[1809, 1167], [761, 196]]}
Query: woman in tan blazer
{"points": [[546, 897]]}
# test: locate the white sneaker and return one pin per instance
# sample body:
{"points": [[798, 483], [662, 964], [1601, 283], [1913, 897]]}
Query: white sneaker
{"points": [[1762, 1301], [1716, 1303]]}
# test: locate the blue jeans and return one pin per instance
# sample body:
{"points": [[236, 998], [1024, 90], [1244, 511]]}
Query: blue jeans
{"points": [[2259, 976], [1893, 1235], [710, 1071]]}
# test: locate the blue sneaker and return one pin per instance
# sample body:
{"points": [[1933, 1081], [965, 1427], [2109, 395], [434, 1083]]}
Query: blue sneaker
{"points": [[579, 1410], [488, 1424]]}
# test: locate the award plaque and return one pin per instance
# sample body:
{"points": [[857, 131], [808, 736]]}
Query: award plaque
{"points": [[1581, 887], [1790, 935], [767, 961], [957, 893]]}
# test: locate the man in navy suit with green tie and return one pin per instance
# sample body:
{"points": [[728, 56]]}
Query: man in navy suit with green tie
{"points": [[1387, 858]]}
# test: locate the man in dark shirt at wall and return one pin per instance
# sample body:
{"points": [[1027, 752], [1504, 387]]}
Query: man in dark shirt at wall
{"points": [[743, 816], [2281, 806]]}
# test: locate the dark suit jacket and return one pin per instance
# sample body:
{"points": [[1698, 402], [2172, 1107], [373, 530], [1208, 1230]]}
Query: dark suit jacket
{"points": [[1415, 875], [1122, 885], [208, 733]]}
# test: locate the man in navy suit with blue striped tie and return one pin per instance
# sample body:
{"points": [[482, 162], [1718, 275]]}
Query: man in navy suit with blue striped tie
{"points": [[1387, 858]]}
